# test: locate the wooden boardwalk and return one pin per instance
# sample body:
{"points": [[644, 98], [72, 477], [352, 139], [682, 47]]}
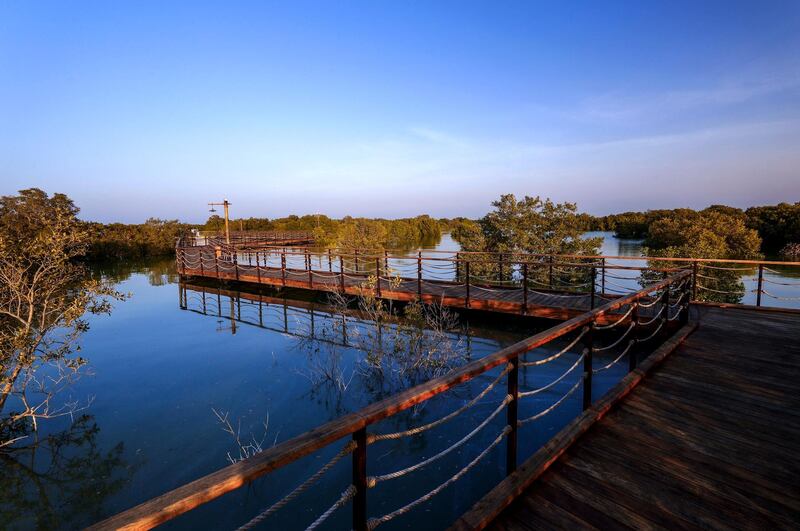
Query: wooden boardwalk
{"points": [[711, 439], [539, 303]]}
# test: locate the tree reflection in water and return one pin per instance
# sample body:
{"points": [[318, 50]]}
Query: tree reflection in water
{"points": [[60, 481]]}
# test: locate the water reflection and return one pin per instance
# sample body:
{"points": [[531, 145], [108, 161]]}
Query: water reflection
{"points": [[60, 480], [159, 271], [310, 320]]}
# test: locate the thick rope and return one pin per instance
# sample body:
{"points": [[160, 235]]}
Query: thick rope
{"points": [[631, 343], [419, 429], [399, 473], [348, 448], [620, 286], [551, 408], [558, 354], [618, 341], [618, 321], [651, 336], [654, 318], [346, 496], [375, 522], [619, 277], [557, 380], [726, 268], [678, 302], [700, 286], [765, 279], [765, 292], [649, 304]]}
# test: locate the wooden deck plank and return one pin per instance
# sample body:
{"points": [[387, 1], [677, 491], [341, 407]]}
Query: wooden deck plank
{"points": [[710, 440]]}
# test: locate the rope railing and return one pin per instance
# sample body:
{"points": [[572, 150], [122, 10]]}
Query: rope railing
{"points": [[372, 523], [358, 424], [558, 354], [555, 382], [374, 480], [348, 494], [348, 448], [619, 320], [616, 360], [619, 339], [374, 437], [558, 402]]}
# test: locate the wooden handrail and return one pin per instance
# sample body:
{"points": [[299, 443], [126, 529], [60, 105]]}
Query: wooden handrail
{"points": [[516, 256], [185, 498], [303, 251]]}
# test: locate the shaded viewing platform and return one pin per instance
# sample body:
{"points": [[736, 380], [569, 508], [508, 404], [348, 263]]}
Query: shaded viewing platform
{"points": [[699, 428]]}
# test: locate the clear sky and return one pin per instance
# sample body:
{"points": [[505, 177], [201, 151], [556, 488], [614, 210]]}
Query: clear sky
{"points": [[396, 108]]}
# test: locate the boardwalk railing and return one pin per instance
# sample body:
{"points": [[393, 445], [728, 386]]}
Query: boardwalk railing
{"points": [[514, 281], [588, 344], [250, 239], [552, 288]]}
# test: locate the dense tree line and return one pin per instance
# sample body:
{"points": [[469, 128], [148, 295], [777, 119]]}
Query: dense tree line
{"points": [[114, 241], [777, 227], [348, 231]]}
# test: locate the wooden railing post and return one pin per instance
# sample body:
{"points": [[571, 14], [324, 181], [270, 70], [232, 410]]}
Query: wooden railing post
{"points": [[308, 264], [283, 267], [603, 278], [458, 267], [665, 316], [511, 416], [341, 273], [551, 271], [200, 254], [592, 283], [360, 480], [684, 308], [330, 263], [525, 288], [236, 264], [258, 269], [386, 262], [466, 273], [588, 342], [378, 276], [760, 284], [355, 253], [419, 275], [216, 262], [694, 280], [635, 321]]}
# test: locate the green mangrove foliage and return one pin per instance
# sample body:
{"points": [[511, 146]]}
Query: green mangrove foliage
{"points": [[347, 232], [529, 225], [710, 233], [114, 241], [777, 225], [44, 295]]}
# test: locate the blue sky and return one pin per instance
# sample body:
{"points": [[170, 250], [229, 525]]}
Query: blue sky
{"points": [[139, 109]]}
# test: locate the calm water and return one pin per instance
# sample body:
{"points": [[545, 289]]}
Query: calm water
{"points": [[171, 355]]}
